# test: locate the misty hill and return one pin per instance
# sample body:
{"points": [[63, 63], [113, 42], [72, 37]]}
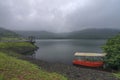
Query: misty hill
{"points": [[7, 33], [83, 34], [37, 34], [94, 33]]}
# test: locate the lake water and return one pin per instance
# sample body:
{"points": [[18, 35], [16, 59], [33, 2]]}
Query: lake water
{"points": [[62, 50]]}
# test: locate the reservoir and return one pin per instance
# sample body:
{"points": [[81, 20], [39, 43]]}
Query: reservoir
{"points": [[62, 50]]}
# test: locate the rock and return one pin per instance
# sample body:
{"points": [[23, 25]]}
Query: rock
{"points": [[72, 72]]}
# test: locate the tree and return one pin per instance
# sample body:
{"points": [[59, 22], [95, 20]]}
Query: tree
{"points": [[31, 38], [112, 48]]}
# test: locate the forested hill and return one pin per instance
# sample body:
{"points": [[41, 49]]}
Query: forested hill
{"points": [[83, 34], [94, 33], [7, 33]]}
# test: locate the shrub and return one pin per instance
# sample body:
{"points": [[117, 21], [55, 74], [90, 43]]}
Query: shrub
{"points": [[112, 48]]}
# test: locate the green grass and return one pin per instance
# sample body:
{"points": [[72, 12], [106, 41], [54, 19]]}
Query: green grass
{"points": [[5, 45], [15, 69], [11, 38], [17, 47], [117, 75], [1, 77], [12, 68]]}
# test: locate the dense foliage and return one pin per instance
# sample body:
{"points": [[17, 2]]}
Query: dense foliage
{"points": [[112, 48]]}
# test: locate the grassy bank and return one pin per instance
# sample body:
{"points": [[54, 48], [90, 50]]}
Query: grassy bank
{"points": [[17, 47], [8, 45], [117, 75], [15, 69], [12, 68]]}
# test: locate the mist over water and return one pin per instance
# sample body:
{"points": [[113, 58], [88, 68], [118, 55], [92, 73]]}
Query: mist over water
{"points": [[62, 50]]}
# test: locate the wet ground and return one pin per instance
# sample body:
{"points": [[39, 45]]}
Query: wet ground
{"points": [[73, 72]]}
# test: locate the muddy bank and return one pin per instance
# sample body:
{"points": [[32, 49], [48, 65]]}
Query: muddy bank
{"points": [[73, 72]]}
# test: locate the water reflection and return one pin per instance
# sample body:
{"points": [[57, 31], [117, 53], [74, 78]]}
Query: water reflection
{"points": [[62, 51]]}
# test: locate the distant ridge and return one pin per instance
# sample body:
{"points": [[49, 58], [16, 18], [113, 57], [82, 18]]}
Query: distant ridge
{"points": [[98, 31], [95, 33], [7, 33], [92, 33]]}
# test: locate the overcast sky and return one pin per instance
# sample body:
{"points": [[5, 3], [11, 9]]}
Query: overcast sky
{"points": [[59, 15]]}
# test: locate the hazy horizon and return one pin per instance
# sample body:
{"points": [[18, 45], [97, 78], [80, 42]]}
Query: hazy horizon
{"points": [[59, 15], [69, 31]]}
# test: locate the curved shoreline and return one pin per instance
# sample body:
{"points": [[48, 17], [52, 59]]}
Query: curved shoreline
{"points": [[72, 72]]}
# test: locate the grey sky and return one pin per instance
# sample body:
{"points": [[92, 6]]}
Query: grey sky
{"points": [[59, 15]]}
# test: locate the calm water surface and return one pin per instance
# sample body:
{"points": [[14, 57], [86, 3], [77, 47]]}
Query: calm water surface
{"points": [[62, 50]]}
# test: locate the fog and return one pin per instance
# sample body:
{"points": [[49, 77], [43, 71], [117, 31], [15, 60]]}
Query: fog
{"points": [[59, 15]]}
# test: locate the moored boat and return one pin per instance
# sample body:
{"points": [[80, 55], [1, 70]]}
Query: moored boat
{"points": [[89, 59]]}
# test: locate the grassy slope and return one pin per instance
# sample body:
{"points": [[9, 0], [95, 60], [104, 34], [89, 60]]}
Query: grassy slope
{"points": [[15, 69], [17, 47], [12, 68], [6, 45], [117, 75]]}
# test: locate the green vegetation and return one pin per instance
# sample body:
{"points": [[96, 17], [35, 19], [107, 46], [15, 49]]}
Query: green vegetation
{"points": [[112, 48], [92, 33], [7, 33], [1, 77], [17, 47], [15, 69], [112, 59], [117, 75], [7, 45], [12, 68], [11, 39]]}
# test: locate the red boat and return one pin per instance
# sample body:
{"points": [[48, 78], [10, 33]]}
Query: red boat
{"points": [[89, 59]]}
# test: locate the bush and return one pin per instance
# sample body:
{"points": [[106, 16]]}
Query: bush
{"points": [[112, 48]]}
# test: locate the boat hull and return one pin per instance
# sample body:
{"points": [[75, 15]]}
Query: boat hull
{"points": [[88, 63]]}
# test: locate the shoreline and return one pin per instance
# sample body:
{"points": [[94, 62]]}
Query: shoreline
{"points": [[72, 72], [14, 66]]}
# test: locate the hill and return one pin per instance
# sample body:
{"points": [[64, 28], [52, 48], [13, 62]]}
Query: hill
{"points": [[37, 34], [83, 34], [7, 33], [94, 33]]}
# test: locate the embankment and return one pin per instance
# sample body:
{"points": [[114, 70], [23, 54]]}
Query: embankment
{"points": [[71, 72], [12, 68]]}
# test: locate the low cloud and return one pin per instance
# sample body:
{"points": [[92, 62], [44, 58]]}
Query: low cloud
{"points": [[59, 15]]}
